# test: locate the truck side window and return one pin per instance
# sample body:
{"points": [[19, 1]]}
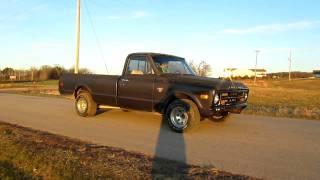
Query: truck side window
{"points": [[138, 66]]}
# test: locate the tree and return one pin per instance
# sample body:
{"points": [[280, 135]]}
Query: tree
{"points": [[56, 72], [7, 72], [45, 72], [201, 69], [34, 74], [1, 75], [81, 71]]}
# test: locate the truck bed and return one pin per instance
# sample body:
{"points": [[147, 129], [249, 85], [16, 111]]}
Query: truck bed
{"points": [[103, 88]]}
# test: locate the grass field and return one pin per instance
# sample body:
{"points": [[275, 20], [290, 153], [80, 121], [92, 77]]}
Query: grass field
{"points": [[30, 154], [297, 98], [28, 84]]}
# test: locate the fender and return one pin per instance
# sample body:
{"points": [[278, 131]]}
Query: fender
{"points": [[181, 94], [81, 86], [190, 95]]}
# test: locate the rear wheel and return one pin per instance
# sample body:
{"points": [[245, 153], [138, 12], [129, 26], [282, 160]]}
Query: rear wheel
{"points": [[220, 117], [182, 115], [85, 105]]}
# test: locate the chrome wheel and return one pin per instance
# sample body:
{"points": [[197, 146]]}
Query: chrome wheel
{"points": [[179, 117], [82, 105]]}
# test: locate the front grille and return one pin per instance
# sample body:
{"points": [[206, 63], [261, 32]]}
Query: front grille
{"points": [[232, 97]]}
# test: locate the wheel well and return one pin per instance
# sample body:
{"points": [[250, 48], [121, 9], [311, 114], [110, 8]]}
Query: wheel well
{"points": [[79, 89], [175, 97]]}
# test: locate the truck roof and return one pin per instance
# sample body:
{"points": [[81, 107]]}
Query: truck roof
{"points": [[153, 54]]}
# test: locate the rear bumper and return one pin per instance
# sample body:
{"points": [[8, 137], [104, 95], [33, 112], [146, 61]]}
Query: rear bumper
{"points": [[237, 108]]}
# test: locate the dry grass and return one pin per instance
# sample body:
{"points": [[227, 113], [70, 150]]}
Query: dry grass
{"points": [[22, 84], [30, 154], [31, 88], [298, 98]]}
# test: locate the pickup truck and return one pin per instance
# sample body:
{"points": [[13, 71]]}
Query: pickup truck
{"points": [[161, 83]]}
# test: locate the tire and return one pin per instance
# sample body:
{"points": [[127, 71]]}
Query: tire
{"points": [[182, 115], [85, 105], [220, 118]]}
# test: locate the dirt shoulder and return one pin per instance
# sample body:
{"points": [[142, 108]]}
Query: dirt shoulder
{"points": [[27, 153]]}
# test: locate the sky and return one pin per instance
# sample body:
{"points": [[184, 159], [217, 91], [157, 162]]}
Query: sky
{"points": [[224, 33]]}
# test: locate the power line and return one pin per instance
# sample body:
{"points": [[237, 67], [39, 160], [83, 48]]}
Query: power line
{"points": [[95, 35]]}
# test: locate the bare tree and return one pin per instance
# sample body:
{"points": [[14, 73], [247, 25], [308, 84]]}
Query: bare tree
{"points": [[201, 69], [56, 72], [45, 72], [81, 71], [34, 74]]}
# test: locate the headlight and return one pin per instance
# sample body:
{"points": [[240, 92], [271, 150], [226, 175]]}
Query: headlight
{"points": [[216, 98]]}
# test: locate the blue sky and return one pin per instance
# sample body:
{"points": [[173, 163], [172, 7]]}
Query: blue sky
{"points": [[225, 33]]}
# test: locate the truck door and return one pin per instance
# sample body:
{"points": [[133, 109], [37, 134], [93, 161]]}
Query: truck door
{"points": [[135, 86]]}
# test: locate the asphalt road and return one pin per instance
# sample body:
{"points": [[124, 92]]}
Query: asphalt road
{"points": [[265, 147]]}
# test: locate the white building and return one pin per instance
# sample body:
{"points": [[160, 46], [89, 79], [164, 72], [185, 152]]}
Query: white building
{"points": [[235, 72], [13, 78]]}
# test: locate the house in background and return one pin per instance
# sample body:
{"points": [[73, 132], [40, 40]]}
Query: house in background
{"points": [[235, 72], [260, 72], [316, 73], [13, 78]]}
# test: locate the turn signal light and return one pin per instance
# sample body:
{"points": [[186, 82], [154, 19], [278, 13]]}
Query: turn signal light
{"points": [[204, 96]]}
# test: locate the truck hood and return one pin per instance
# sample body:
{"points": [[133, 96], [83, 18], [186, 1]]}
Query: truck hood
{"points": [[214, 83]]}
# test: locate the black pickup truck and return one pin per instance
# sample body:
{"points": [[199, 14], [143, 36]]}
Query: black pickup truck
{"points": [[161, 83]]}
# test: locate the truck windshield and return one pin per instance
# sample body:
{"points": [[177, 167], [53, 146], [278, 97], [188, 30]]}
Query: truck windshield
{"points": [[172, 65]]}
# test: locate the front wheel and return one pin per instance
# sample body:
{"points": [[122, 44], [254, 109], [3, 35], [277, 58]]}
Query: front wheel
{"points": [[182, 115], [85, 105]]}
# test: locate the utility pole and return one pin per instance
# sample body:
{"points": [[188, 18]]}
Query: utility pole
{"points": [[76, 67], [32, 74], [290, 65], [255, 68]]}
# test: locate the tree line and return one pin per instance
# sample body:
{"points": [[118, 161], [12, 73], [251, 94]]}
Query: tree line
{"points": [[45, 72], [279, 76]]}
